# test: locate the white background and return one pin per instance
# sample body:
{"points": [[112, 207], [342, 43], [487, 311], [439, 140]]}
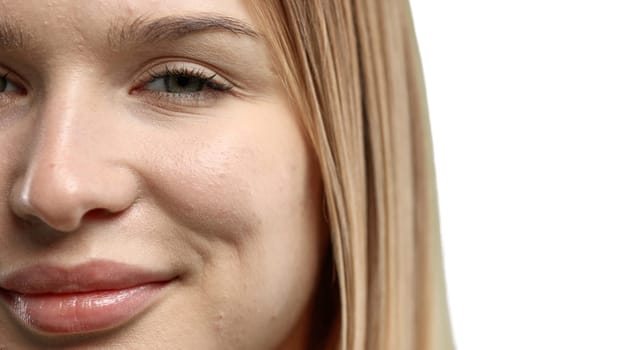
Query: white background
{"points": [[526, 106]]}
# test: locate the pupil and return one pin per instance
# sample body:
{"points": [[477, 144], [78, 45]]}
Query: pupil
{"points": [[2, 84], [183, 81], [178, 84]]}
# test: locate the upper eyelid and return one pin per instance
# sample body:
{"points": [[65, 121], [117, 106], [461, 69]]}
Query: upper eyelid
{"points": [[182, 70], [162, 67], [14, 77]]}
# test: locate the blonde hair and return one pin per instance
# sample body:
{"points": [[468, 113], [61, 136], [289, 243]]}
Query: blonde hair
{"points": [[353, 71]]}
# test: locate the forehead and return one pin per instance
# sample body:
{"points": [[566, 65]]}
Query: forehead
{"points": [[79, 22]]}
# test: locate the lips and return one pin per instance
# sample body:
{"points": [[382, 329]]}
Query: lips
{"points": [[95, 296]]}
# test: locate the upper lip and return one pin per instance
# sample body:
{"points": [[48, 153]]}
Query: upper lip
{"points": [[96, 275]]}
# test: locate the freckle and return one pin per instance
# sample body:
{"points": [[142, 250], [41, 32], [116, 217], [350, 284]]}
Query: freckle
{"points": [[219, 323]]}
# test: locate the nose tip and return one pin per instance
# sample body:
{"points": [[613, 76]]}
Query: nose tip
{"points": [[62, 197]]}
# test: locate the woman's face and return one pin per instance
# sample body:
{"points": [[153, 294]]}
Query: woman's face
{"points": [[157, 190]]}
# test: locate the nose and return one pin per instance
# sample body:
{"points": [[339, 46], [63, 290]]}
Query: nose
{"points": [[73, 171]]}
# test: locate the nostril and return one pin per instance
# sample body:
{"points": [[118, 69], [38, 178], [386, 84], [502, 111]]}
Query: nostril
{"points": [[99, 214]]}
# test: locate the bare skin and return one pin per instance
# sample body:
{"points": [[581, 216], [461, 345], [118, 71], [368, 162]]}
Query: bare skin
{"points": [[174, 150]]}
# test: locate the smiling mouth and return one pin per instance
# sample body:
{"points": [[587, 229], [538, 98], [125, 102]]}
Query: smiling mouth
{"points": [[91, 297]]}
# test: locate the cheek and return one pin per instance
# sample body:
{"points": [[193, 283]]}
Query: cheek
{"points": [[246, 193], [206, 188], [233, 184]]}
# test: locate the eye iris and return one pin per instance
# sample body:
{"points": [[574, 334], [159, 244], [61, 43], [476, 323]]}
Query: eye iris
{"points": [[3, 84], [179, 84]]}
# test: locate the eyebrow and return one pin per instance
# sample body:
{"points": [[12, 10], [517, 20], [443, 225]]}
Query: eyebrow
{"points": [[144, 31], [11, 36]]}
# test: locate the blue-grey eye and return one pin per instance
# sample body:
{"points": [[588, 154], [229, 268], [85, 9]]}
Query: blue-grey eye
{"points": [[7, 86]]}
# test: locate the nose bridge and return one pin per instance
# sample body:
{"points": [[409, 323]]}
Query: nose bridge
{"points": [[69, 170], [63, 128]]}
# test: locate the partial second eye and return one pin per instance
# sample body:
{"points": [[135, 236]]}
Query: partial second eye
{"points": [[7, 85]]}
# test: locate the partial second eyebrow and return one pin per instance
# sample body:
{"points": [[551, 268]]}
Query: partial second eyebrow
{"points": [[145, 31], [11, 36]]}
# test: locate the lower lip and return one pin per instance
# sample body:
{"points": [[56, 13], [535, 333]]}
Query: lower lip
{"points": [[74, 313]]}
